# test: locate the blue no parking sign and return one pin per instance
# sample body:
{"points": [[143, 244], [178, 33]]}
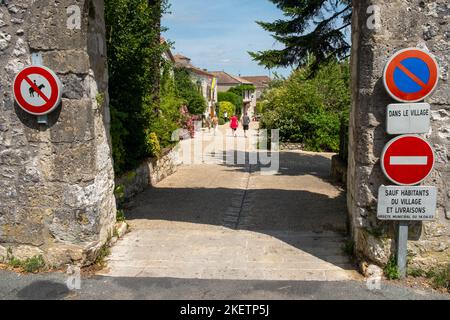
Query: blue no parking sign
{"points": [[411, 75]]}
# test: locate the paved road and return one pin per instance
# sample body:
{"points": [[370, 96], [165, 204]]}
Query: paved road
{"points": [[53, 286], [217, 231], [220, 220]]}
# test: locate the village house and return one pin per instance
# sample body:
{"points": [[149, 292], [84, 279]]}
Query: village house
{"points": [[167, 54], [226, 81], [261, 84], [206, 82]]}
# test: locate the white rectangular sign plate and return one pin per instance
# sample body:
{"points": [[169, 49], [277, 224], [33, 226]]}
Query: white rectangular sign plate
{"points": [[406, 118], [406, 203]]}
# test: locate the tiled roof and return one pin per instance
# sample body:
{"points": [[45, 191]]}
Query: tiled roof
{"points": [[179, 57], [186, 63], [258, 81], [199, 71], [226, 78]]}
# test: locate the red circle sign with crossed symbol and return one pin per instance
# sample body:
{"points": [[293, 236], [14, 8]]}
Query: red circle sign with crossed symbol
{"points": [[37, 90], [411, 75]]}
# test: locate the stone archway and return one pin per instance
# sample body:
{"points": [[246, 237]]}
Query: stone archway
{"points": [[57, 180]]}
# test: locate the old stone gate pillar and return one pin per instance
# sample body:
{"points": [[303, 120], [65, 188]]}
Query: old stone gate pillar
{"points": [[380, 28], [56, 180]]}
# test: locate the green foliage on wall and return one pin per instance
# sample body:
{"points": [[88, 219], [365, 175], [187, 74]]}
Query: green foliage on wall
{"points": [[187, 90], [309, 110], [134, 58], [240, 92]]}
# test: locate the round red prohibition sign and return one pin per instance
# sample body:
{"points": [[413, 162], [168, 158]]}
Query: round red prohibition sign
{"points": [[407, 160], [37, 90], [411, 75]]}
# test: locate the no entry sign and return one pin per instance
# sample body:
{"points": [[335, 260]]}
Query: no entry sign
{"points": [[37, 90], [411, 75], [407, 160]]}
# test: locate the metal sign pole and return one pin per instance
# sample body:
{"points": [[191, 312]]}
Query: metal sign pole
{"points": [[402, 247], [36, 60]]}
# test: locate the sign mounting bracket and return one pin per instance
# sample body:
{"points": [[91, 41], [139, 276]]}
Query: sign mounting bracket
{"points": [[36, 60]]}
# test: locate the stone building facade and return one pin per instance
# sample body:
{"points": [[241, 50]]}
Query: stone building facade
{"points": [[56, 180], [380, 28]]}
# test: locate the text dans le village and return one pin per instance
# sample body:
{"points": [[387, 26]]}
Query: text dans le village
{"points": [[405, 113]]}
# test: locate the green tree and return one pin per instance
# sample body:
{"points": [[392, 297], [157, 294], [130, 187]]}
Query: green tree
{"points": [[235, 99], [309, 109], [312, 28], [134, 59]]}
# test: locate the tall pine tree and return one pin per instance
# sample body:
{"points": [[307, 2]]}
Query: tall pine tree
{"points": [[314, 28]]}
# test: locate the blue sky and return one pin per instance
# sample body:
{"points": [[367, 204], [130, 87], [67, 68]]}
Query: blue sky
{"points": [[216, 35]]}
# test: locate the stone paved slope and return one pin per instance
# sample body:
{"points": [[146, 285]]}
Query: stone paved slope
{"points": [[219, 221]]}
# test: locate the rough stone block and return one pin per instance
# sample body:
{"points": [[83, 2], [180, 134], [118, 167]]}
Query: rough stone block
{"points": [[50, 18], [67, 61], [75, 123]]}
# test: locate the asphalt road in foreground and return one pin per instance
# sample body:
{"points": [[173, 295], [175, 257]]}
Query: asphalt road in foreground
{"points": [[15, 286]]}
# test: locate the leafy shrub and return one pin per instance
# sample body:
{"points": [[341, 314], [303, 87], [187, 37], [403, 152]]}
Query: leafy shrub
{"points": [[440, 277], [228, 107], [152, 143], [259, 108], [120, 216], [391, 270], [309, 110], [235, 99], [30, 265], [34, 264]]}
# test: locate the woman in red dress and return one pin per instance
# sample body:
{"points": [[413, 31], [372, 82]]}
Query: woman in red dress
{"points": [[234, 124]]}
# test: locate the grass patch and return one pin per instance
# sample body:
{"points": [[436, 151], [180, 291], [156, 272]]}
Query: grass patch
{"points": [[391, 269], [34, 264], [439, 277], [101, 256], [416, 273], [29, 265], [120, 216]]}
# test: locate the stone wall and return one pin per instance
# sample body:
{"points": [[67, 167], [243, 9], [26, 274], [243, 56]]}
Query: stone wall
{"points": [[57, 180], [403, 24], [149, 173], [339, 169]]}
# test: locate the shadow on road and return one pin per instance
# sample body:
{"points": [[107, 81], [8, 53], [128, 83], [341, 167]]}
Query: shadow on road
{"points": [[43, 290], [281, 208]]}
